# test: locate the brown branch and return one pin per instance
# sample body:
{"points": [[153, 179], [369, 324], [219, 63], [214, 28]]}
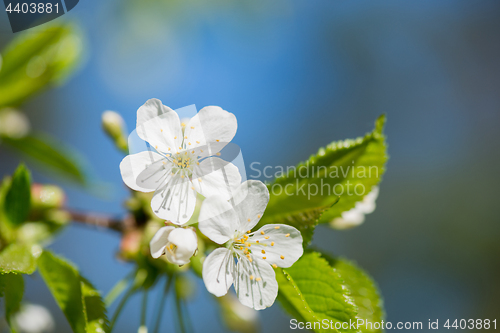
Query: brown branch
{"points": [[102, 221]]}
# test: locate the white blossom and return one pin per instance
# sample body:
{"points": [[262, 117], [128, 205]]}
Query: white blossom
{"points": [[181, 162], [356, 215], [177, 244], [248, 259]]}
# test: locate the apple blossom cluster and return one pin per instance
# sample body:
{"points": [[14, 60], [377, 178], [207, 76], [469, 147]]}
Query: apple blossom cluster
{"points": [[182, 165]]}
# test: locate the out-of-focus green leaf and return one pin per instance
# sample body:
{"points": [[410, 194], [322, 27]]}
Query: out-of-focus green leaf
{"points": [[64, 283], [12, 286], [18, 197], [52, 155], [364, 292], [312, 291], [36, 59], [19, 258], [97, 320], [80, 302], [337, 170]]}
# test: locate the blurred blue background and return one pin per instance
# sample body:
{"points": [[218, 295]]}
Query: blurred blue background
{"points": [[298, 75]]}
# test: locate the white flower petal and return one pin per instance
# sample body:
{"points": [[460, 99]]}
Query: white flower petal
{"points": [[218, 270], [160, 126], [155, 175], [211, 125], [217, 220], [132, 166], [255, 283], [175, 201], [250, 200], [159, 241], [282, 246], [186, 242], [214, 176]]}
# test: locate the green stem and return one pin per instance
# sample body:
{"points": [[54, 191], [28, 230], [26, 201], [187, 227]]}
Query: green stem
{"points": [[117, 289], [120, 307], [161, 303], [179, 314], [188, 318], [144, 306]]}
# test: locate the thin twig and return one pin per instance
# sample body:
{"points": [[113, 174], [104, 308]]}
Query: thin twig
{"points": [[101, 221]]}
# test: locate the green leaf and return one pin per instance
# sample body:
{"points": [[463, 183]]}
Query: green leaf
{"points": [[80, 302], [51, 154], [12, 286], [19, 258], [64, 283], [97, 320], [364, 292], [18, 197], [36, 59], [336, 170], [312, 292]]}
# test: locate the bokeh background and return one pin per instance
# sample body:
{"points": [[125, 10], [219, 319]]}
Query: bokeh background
{"points": [[298, 75]]}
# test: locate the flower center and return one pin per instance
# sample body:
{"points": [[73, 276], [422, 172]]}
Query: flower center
{"points": [[184, 162]]}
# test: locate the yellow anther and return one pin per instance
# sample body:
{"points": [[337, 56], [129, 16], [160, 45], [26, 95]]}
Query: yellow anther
{"points": [[263, 251], [192, 127], [197, 141], [250, 259], [266, 237], [185, 137], [182, 176], [272, 243], [248, 244], [248, 220], [156, 147], [287, 235], [198, 163], [264, 258], [282, 257], [168, 148], [175, 137], [192, 187], [258, 279], [183, 124], [251, 277], [218, 154], [217, 140], [180, 148], [201, 150], [258, 216], [277, 227], [192, 152], [257, 241], [189, 143], [249, 231], [199, 179], [262, 232], [274, 266], [161, 130]]}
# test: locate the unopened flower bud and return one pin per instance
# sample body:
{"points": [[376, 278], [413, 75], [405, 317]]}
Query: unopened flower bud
{"points": [[356, 216], [47, 196], [178, 244], [114, 126], [34, 319], [13, 123], [130, 244]]}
